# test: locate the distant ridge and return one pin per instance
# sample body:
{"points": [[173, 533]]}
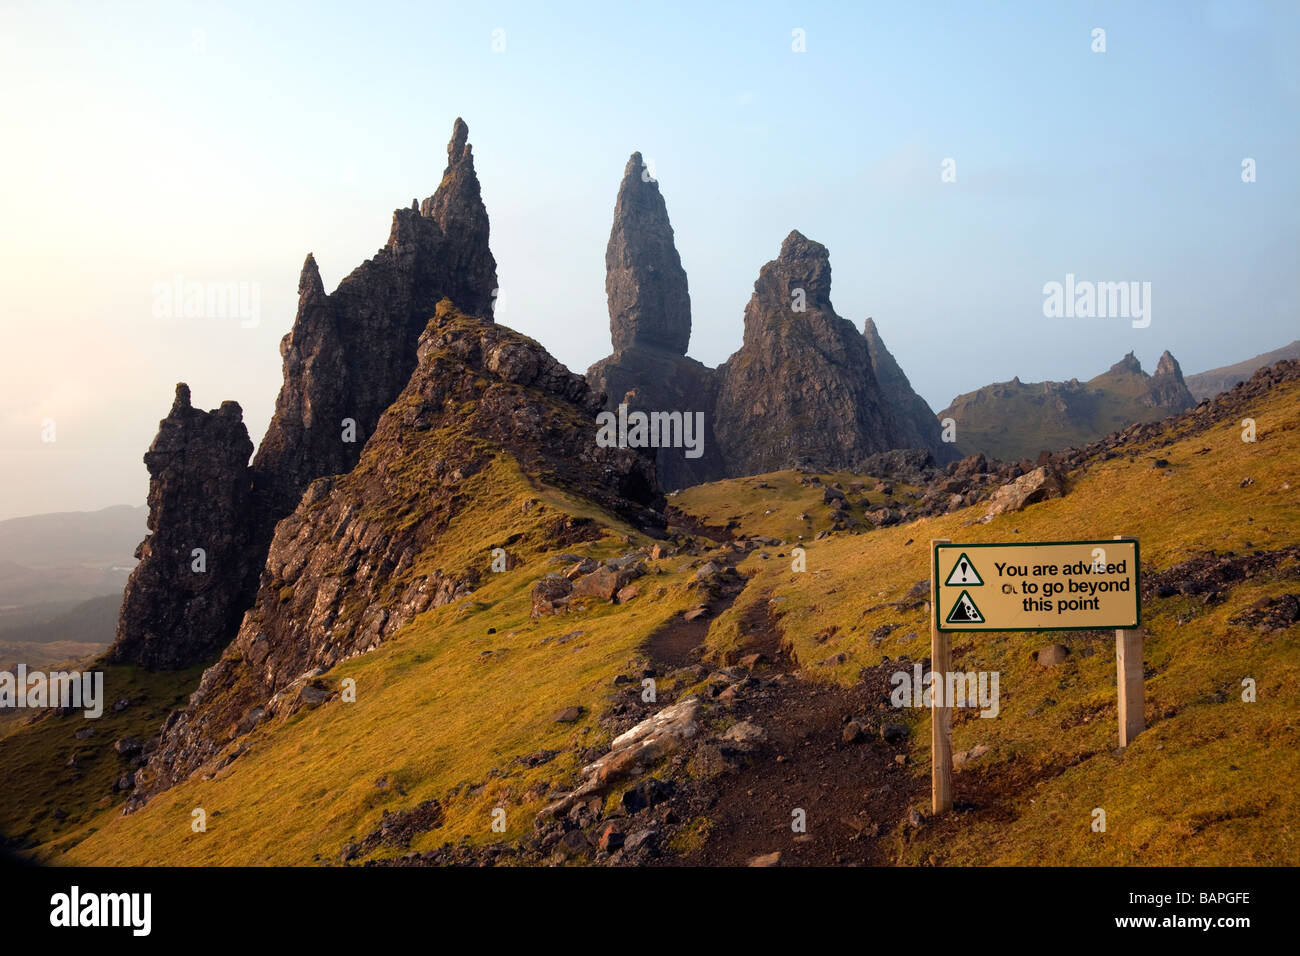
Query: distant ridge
{"points": [[1016, 420], [1205, 385]]}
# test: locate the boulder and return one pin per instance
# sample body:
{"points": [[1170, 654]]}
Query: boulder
{"points": [[1038, 485]]}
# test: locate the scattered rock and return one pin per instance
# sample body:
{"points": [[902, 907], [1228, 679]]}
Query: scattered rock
{"points": [[696, 612], [611, 838], [641, 839], [893, 733], [550, 594], [128, 746], [645, 794], [966, 756], [573, 845], [1038, 485], [745, 735], [602, 583], [1051, 655]]}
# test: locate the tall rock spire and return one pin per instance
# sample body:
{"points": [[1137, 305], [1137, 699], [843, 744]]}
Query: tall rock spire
{"points": [[650, 321], [347, 357], [649, 303], [195, 578], [457, 207], [351, 352]]}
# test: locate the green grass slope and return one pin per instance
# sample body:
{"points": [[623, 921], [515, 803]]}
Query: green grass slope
{"points": [[1211, 781]]}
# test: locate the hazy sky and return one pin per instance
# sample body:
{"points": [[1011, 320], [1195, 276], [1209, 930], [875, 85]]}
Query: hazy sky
{"points": [[221, 143]]}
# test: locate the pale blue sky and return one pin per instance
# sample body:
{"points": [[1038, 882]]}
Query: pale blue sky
{"points": [[223, 142]]}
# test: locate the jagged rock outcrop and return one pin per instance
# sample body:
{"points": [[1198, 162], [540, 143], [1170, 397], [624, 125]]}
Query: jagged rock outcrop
{"points": [[1167, 389], [184, 599], [350, 352], [644, 280], [650, 322], [916, 420], [346, 358], [801, 388], [365, 552]]}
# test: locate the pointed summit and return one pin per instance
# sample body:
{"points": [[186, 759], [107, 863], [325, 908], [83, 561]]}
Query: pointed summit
{"points": [[350, 352], [459, 181], [457, 207], [1168, 365], [309, 283], [807, 265], [1129, 364], [649, 302], [458, 149], [802, 387], [1167, 388]]}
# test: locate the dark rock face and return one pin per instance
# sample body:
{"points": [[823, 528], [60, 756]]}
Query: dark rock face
{"points": [[352, 564], [200, 497], [351, 352], [651, 379], [815, 399], [644, 280], [348, 356], [917, 422], [801, 388]]}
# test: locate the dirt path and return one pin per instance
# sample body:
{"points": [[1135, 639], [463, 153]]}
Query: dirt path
{"points": [[675, 643], [853, 794]]}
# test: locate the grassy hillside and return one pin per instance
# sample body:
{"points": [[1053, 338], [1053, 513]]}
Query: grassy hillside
{"points": [[1210, 781], [446, 711], [460, 706]]}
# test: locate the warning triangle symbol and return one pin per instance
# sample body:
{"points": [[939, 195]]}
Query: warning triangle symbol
{"points": [[963, 572], [965, 611]]}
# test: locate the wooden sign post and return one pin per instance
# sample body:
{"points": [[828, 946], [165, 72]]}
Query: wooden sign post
{"points": [[1031, 586], [940, 707], [1129, 681]]}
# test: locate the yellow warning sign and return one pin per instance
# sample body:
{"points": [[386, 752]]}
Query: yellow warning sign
{"points": [[1037, 586]]}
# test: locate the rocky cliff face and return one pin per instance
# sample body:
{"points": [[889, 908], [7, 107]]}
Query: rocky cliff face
{"points": [[365, 552], [650, 379], [350, 352], [184, 599], [919, 425], [346, 358], [801, 388], [650, 322]]}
